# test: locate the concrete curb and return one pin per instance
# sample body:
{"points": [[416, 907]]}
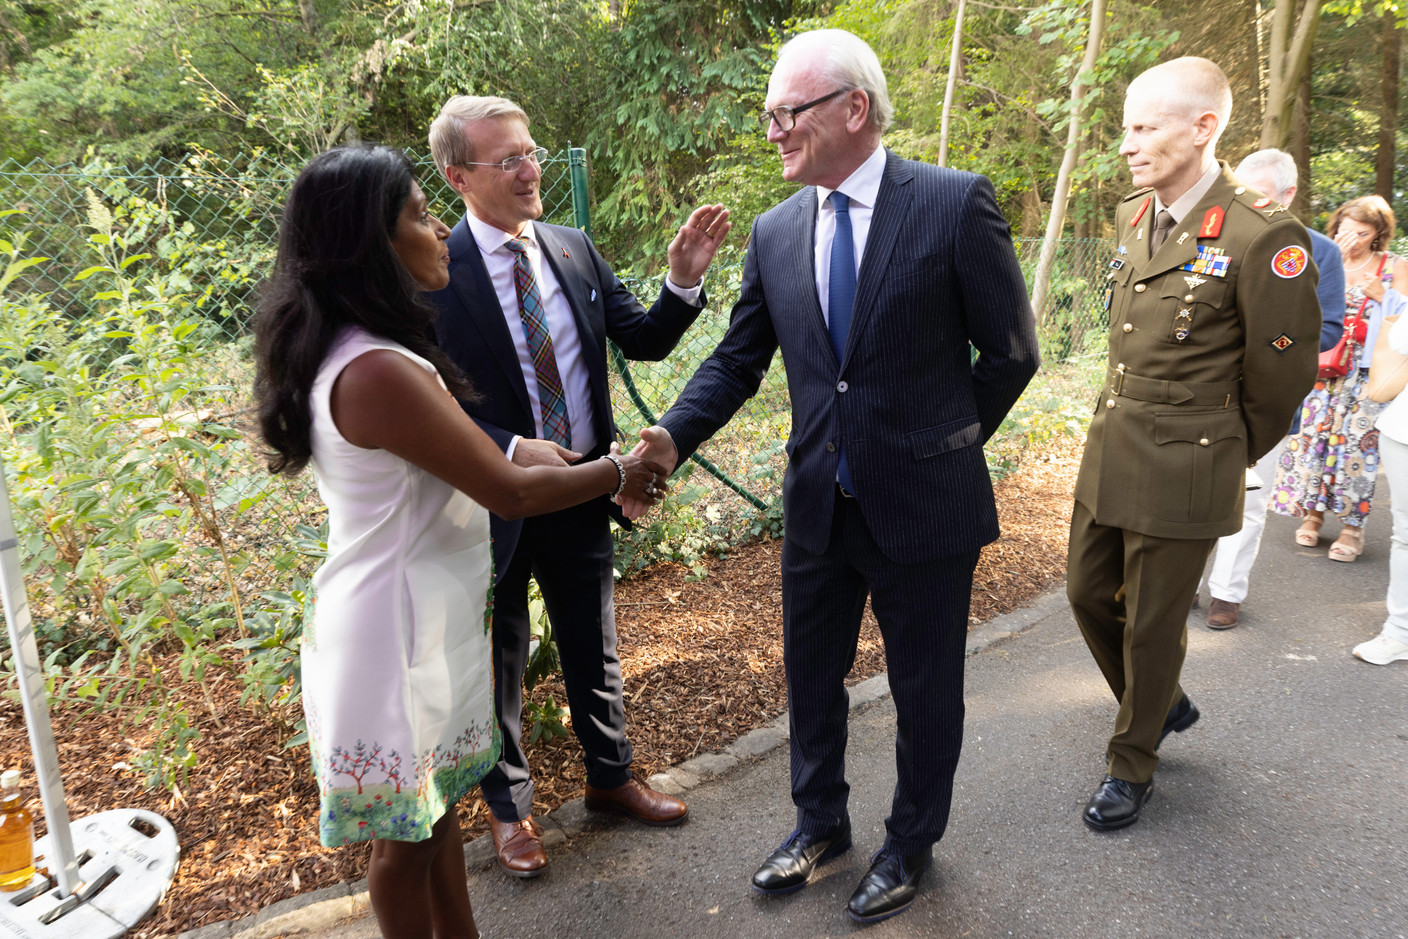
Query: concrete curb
{"points": [[320, 909]]}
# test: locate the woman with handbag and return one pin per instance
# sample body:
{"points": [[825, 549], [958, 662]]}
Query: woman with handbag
{"points": [[1333, 463]]}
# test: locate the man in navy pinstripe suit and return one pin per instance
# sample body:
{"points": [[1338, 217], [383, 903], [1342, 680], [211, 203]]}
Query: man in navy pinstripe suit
{"points": [[874, 280]]}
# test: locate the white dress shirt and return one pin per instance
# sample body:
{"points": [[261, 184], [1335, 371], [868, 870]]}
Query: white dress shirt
{"points": [[861, 187], [562, 326]]}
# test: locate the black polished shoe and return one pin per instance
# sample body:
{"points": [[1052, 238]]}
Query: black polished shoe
{"points": [[1116, 803], [1181, 716], [790, 867], [889, 887]]}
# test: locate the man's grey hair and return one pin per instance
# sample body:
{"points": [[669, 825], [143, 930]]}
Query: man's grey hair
{"points": [[448, 143], [1278, 163], [847, 60]]}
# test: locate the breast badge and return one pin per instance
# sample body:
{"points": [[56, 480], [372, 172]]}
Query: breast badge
{"points": [[1289, 262], [1209, 260]]}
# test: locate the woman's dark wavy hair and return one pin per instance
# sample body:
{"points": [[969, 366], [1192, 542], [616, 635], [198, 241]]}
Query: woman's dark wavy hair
{"points": [[336, 267]]}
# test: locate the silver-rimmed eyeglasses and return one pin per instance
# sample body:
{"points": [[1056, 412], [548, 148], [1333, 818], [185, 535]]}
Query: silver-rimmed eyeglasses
{"points": [[512, 164], [786, 117]]}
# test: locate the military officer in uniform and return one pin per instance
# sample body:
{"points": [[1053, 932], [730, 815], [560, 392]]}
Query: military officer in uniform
{"points": [[1213, 329]]}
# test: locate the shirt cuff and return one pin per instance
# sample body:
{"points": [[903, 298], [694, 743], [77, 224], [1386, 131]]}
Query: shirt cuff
{"points": [[512, 445], [689, 295]]}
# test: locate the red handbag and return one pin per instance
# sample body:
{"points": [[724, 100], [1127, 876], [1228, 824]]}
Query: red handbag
{"points": [[1336, 361]]}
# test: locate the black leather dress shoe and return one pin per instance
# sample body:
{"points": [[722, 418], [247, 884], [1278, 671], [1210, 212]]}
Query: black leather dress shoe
{"points": [[1181, 716], [889, 887], [1116, 803], [790, 867]]}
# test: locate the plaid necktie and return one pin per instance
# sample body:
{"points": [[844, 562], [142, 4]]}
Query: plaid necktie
{"points": [[556, 425]]}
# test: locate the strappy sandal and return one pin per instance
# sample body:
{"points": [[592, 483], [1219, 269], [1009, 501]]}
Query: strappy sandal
{"points": [[1347, 549], [1308, 534]]}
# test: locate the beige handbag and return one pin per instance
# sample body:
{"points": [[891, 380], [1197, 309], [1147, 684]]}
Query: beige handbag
{"points": [[1388, 371]]}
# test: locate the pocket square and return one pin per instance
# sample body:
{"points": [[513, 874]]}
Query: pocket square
{"points": [[593, 296]]}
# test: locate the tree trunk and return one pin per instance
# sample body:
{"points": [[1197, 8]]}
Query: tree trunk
{"points": [[1287, 60], [1388, 109], [954, 58], [309, 15], [1042, 282], [1299, 148]]}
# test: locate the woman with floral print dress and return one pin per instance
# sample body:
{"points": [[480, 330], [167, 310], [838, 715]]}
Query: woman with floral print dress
{"points": [[1332, 465], [397, 686]]}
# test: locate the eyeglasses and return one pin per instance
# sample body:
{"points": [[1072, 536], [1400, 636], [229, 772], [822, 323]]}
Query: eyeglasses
{"points": [[511, 164], [786, 118]]}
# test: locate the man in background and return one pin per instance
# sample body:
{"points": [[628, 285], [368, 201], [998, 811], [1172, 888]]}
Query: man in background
{"points": [[1273, 173]]}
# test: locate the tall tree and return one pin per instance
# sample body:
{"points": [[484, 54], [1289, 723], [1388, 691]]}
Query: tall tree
{"points": [[1388, 108], [1287, 61], [1057, 221]]}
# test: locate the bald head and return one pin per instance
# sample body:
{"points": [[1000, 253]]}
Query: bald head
{"points": [[1189, 85], [1173, 116]]}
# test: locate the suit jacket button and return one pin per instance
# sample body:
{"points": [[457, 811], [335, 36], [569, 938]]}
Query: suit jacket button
{"points": [[1129, 327], [842, 387], [1204, 442], [1187, 298], [830, 447], [1140, 288]]}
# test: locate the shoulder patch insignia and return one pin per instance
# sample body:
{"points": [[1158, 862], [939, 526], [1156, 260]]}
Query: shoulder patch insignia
{"points": [[1262, 203], [1289, 262], [1282, 342]]}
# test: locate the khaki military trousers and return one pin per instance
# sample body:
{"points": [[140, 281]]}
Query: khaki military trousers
{"points": [[1131, 595]]}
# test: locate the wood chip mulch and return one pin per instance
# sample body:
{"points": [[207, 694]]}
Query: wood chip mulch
{"points": [[702, 661]]}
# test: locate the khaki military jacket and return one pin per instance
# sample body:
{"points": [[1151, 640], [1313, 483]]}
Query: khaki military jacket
{"points": [[1213, 345]]}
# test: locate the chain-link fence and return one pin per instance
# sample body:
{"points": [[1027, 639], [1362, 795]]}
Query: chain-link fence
{"points": [[207, 227]]}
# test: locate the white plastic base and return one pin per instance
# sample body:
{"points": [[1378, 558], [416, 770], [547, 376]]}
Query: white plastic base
{"points": [[123, 875]]}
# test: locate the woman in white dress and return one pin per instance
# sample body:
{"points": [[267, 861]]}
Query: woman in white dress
{"points": [[397, 686]]}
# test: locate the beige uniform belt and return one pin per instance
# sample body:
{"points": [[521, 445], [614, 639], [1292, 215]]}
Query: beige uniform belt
{"points": [[1158, 391]]}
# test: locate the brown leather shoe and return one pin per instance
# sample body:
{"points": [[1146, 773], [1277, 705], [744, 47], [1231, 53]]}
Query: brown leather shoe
{"points": [[519, 846], [1222, 614], [638, 801]]}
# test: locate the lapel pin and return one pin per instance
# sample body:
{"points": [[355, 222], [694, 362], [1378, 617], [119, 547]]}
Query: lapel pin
{"points": [[565, 254], [1182, 238]]}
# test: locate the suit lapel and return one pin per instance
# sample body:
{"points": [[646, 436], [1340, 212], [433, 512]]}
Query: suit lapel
{"points": [[469, 279], [887, 220], [568, 270], [801, 263]]}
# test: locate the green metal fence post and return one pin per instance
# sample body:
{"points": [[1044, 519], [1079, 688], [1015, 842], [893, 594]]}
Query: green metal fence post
{"points": [[581, 208]]}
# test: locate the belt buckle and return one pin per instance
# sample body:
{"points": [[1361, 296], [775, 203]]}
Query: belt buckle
{"points": [[1118, 386]]}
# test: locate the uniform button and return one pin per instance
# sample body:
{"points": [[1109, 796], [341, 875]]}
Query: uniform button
{"points": [[1204, 442], [830, 447], [1110, 403], [842, 387], [1240, 189], [1188, 298], [1129, 327], [1140, 288], [1120, 367]]}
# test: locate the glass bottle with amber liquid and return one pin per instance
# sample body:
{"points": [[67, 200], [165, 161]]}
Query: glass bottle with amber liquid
{"points": [[16, 835]]}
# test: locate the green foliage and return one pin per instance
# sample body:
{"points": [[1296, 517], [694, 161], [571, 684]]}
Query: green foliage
{"points": [[672, 531]]}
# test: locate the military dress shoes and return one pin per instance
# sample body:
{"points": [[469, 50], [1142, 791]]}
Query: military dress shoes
{"points": [[1116, 803], [790, 867], [1181, 716], [1222, 614], [519, 846], [889, 887], [638, 801]]}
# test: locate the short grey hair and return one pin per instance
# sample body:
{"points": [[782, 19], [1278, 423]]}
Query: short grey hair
{"points": [[448, 143], [848, 60], [1278, 163]]}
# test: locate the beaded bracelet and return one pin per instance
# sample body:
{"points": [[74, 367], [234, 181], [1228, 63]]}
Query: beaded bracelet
{"points": [[620, 472]]}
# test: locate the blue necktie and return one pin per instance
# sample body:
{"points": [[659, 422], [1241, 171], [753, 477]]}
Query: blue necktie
{"points": [[840, 298]]}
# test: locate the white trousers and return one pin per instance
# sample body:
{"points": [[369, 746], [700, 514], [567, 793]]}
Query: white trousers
{"points": [[1232, 561], [1393, 457]]}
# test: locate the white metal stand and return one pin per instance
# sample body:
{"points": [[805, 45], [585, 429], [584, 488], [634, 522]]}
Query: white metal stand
{"points": [[124, 860]]}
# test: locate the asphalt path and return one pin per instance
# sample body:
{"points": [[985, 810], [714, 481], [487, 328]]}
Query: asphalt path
{"points": [[1282, 813]]}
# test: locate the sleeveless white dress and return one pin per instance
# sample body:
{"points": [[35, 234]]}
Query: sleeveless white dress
{"points": [[397, 678]]}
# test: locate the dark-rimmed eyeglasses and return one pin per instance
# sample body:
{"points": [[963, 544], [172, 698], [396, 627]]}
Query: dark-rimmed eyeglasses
{"points": [[511, 164], [786, 117]]}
